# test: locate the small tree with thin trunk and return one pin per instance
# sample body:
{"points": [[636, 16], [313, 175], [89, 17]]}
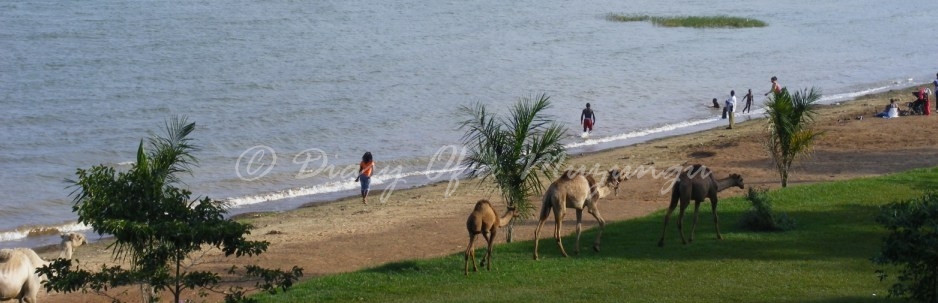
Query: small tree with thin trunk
{"points": [[518, 151], [790, 133], [157, 226]]}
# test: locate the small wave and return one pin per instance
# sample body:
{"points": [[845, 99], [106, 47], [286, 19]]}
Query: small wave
{"points": [[641, 133], [334, 187], [39, 231], [852, 95]]}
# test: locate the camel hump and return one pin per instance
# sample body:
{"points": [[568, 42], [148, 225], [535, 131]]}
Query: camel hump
{"points": [[482, 204], [697, 171], [568, 175]]}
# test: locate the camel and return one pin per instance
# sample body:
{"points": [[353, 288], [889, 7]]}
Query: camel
{"points": [[18, 278], [70, 241], [484, 220], [576, 190], [697, 184]]}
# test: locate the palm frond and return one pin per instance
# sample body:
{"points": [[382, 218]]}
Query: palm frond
{"points": [[513, 150]]}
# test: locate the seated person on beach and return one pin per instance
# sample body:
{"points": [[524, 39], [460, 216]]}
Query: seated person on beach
{"points": [[891, 110], [918, 106]]}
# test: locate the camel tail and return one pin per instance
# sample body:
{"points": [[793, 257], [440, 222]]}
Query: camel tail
{"points": [[546, 204]]}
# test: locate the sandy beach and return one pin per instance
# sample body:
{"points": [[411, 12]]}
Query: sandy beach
{"points": [[423, 222]]}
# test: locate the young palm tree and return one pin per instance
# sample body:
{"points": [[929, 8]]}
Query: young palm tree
{"points": [[791, 135], [518, 151]]}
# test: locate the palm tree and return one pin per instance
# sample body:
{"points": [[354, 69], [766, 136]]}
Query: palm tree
{"points": [[157, 225], [791, 135], [518, 151]]}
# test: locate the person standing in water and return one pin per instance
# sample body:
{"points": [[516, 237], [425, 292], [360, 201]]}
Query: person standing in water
{"points": [[588, 119], [748, 99], [776, 88], [365, 169]]}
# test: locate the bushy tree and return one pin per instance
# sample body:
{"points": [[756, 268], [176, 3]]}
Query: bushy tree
{"points": [[912, 247], [157, 226], [761, 216], [790, 133], [518, 151]]}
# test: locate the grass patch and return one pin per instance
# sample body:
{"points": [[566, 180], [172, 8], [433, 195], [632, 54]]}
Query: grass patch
{"points": [[826, 259], [691, 21]]}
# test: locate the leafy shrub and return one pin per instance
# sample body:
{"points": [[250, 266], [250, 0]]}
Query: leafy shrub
{"points": [[911, 245], [761, 217]]}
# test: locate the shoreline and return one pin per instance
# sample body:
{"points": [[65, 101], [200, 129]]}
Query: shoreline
{"points": [[421, 222], [44, 237]]}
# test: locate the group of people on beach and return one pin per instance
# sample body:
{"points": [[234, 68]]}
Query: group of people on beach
{"points": [[729, 109], [920, 106], [588, 117]]}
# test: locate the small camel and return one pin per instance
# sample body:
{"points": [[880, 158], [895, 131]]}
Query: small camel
{"points": [[70, 241], [576, 190], [18, 278], [698, 183], [484, 220]]}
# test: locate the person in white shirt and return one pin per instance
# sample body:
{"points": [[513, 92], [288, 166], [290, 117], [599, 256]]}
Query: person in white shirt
{"points": [[891, 110], [731, 107]]}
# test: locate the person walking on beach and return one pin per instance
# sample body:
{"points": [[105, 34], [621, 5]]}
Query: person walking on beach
{"points": [[588, 119], [776, 88], [748, 99], [936, 91], [731, 107], [365, 169]]}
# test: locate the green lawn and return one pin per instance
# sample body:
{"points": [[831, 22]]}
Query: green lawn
{"points": [[824, 259]]}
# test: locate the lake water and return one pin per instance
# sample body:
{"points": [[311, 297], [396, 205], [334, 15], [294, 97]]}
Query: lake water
{"points": [[317, 83]]}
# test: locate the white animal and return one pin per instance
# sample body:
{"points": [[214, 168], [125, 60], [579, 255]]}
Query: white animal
{"points": [[18, 278], [70, 241]]}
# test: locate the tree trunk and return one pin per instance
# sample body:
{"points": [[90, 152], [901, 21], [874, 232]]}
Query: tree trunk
{"points": [[509, 231]]}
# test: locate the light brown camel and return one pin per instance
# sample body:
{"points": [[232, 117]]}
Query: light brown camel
{"points": [[698, 183], [484, 220], [70, 241], [578, 191], [18, 278]]}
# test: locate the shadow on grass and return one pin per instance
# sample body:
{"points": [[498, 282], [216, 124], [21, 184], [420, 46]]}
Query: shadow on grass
{"points": [[846, 231]]}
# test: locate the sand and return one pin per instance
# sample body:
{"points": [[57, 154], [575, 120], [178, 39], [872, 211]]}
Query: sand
{"points": [[424, 222]]}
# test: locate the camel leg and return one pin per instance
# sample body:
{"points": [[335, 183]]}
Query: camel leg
{"points": [[485, 257], [579, 226], [667, 217], [680, 222], [537, 232], [602, 226], [488, 253], [558, 217], [696, 216], [470, 254], [716, 219]]}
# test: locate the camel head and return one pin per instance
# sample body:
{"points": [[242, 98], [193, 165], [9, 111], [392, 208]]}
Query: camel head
{"points": [[738, 181], [76, 239], [70, 241], [615, 178], [513, 211]]}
